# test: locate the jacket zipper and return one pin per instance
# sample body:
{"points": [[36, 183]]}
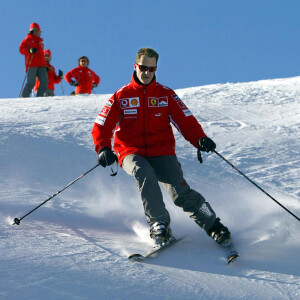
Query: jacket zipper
{"points": [[144, 123]]}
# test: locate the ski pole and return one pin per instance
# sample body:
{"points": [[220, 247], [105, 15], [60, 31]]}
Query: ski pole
{"points": [[22, 85], [33, 94], [27, 68], [62, 87], [17, 221], [256, 185]]}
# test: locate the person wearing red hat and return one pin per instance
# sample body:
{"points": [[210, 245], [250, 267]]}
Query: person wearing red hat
{"points": [[35, 63], [52, 77], [85, 78]]}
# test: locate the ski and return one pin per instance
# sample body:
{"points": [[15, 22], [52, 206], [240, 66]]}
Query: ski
{"points": [[232, 253], [232, 257], [227, 245], [154, 251]]}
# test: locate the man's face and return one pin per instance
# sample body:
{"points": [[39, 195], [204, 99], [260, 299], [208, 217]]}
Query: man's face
{"points": [[48, 58], [83, 62], [145, 77], [37, 33]]}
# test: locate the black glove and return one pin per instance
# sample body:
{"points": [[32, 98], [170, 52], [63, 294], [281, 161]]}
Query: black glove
{"points": [[206, 144], [199, 156], [60, 74], [94, 85], [106, 157], [47, 69], [75, 83], [33, 50]]}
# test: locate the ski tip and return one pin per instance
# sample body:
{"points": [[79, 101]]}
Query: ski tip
{"points": [[232, 258], [135, 256]]}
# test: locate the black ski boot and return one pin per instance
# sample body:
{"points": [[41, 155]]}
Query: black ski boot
{"points": [[221, 235], [161, 233], [219, 232]]}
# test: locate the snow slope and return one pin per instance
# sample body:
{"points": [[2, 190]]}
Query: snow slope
{"points": [[75, 246]]}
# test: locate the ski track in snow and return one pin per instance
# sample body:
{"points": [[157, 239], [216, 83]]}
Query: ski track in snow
{"points": [[76, 246]]}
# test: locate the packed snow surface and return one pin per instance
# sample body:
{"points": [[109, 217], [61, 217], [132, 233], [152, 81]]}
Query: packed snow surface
{"points": [[76, 245]]}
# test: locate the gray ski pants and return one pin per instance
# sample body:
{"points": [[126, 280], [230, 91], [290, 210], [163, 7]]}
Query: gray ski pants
{"points": [[42, 75], [149, 172], [49, 93]]}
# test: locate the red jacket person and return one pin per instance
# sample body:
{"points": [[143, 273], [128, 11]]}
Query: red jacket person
{"points": [[140, 116], [35, 64], [52, 77], [82, 77]]}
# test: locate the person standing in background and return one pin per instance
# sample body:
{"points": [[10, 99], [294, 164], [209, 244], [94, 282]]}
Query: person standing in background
{"points": [[82, 77], [35, 63], [52, 77]]}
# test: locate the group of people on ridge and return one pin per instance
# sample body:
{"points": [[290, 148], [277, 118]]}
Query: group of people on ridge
{"points": [[41, 75], [137, 118]]}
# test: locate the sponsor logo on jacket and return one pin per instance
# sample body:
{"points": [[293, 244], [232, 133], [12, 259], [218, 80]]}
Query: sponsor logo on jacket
{"points": [[104, 112], [100, 120], [158, 102], [184, 108], [187, 112], [179, 102], [130, 111], [109, 103], [130, 102]]}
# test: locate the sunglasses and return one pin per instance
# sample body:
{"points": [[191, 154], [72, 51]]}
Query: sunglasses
{"points": [[145, 68]]}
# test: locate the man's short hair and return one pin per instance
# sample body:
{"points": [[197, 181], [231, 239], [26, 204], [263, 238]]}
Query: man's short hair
{"points": [[147, 52], [82, 57]]}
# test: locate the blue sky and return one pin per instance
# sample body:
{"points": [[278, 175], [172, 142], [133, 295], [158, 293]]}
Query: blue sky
{"points": [[200, 42]]}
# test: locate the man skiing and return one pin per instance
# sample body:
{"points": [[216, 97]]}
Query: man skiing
{"points": [[85, 78], [35, 64], [52, 77], [140, 116]]}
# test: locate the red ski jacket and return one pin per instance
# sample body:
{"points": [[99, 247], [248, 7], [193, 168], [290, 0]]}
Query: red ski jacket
{"points": [[38, 58], [140, 117], [85, 78], [52, 79]]}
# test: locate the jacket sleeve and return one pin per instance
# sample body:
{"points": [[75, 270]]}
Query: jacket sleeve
{"points": [[69, 75], [24, 47], [96, 78], [106, 123], [56, 78], [185, 122]]}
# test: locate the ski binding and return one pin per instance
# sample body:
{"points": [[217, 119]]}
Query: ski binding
{"points": [[232, 253], [155, 250]]}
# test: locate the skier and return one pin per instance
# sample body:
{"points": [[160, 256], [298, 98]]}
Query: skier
{"points": [[35, 64], [52, 77], [85, 78], [140, 114]]}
